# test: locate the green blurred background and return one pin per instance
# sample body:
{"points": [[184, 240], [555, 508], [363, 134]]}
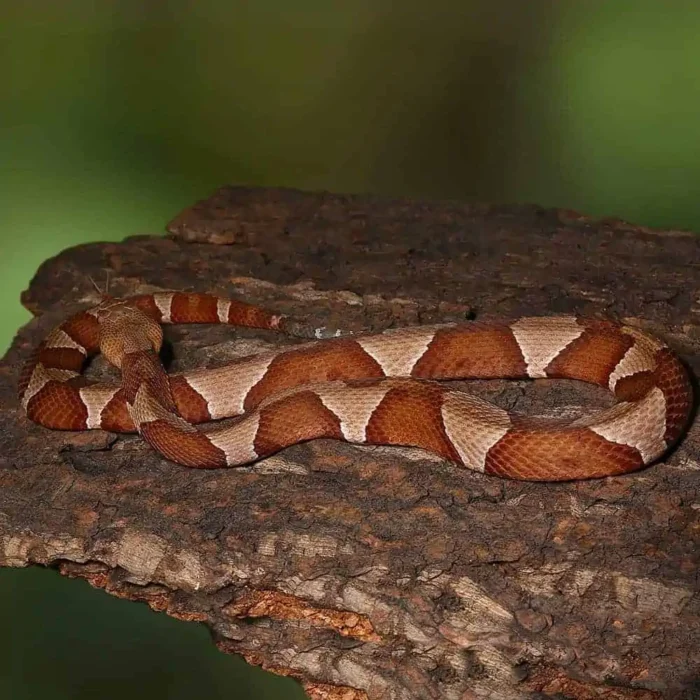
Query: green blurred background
{"points": [[115, 115]]}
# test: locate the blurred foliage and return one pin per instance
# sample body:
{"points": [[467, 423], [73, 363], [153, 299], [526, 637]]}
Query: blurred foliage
{"points": [[115, 115], [65, 640]]}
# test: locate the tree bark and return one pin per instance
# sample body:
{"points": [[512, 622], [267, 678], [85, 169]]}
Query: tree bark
{"points": [[381, 572]]}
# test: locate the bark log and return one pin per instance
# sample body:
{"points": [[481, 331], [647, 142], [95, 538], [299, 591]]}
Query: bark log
{"points": [[381, 572]]}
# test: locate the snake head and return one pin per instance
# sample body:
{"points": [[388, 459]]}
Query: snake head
{"points": [[125, 329]]}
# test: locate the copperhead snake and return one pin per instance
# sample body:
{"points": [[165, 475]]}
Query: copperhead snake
{"points": [[372, 389]]}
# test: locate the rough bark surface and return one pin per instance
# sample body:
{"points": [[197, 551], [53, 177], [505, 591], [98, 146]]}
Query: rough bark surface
{"points": [[381, 572]]}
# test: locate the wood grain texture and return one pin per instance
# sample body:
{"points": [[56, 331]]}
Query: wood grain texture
{"points": [[461, 585]]}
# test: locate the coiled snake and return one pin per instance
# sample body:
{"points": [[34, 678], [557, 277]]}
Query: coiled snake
{"points": [[372, 389]]}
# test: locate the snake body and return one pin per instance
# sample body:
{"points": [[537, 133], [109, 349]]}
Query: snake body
{"points": [[368, 389]]}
